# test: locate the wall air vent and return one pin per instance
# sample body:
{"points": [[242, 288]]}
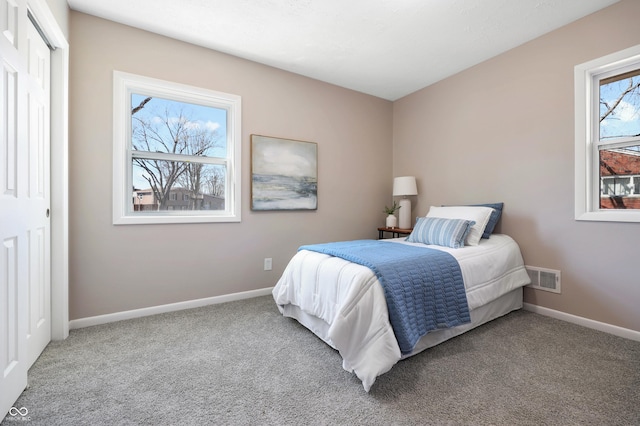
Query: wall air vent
{"points": [[544, 279]]}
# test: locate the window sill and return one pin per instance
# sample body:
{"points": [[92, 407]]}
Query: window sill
{"points": [[147, 219], [609, 216]]}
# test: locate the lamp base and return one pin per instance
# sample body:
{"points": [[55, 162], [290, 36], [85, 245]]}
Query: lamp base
{"points": [[404, 214]]}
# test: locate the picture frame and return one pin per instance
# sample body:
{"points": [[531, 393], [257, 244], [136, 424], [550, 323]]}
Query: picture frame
{"points": [[284, 174]]}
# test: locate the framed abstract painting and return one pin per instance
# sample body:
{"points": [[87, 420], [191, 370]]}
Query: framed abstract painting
{"points": [[284, 174]]}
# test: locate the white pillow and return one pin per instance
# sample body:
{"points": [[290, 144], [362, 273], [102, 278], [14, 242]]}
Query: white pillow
{"points": [[480, 215]]}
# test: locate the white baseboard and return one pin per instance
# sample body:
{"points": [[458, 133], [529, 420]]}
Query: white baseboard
{"points": [[172, 307], [585, 322], [189, 304]]}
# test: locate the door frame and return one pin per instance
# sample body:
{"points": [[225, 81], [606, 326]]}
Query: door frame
{"points": [[59, 123]]}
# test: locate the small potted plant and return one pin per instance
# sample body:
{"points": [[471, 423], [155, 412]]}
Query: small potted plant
{"points": [[392, 221]]}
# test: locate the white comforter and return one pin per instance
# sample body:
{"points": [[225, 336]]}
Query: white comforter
{"points": [[350, 300]]}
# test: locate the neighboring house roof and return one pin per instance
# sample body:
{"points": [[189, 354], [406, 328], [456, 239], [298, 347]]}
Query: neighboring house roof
{"points": [[619, 163]]}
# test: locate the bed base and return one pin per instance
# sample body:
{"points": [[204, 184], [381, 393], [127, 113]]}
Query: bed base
{"points": [[481, 315]]}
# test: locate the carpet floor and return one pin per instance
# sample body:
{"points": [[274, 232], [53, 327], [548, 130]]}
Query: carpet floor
{"points": [[242, 363]]}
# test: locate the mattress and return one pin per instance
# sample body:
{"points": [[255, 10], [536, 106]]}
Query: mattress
{"points": [[343, 303]]}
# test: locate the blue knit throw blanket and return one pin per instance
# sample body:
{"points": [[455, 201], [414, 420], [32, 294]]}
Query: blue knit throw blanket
{"points": [[423, 286]]}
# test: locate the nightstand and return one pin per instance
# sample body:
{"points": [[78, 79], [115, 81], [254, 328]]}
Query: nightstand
{"points": [[395, 232]]}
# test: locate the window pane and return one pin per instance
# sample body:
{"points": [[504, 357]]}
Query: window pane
{"points": [[620, 178], [620, 106], [176, 148], [173, 185], [162, 125]]}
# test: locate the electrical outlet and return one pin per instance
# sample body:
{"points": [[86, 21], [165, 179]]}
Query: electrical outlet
{"points": [[267, 263]]}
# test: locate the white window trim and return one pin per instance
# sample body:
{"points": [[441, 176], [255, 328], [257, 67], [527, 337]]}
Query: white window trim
{"points": [[124, 84], [587, 190]]}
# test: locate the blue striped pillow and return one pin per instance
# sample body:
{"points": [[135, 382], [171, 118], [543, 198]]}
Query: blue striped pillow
{"points": [[440, 231]]}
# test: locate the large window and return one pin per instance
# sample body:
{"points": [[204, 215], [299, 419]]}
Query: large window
{"points": [[607, 120], [176, 153]]}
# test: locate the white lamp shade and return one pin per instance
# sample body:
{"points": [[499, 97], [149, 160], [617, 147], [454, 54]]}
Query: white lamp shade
{"points": [[404, 185]]}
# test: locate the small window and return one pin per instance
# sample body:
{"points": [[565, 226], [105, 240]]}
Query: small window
{"points": [[608, 138], [176, 153]]}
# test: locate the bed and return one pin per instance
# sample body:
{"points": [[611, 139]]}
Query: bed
{"points": [[345, 303]]}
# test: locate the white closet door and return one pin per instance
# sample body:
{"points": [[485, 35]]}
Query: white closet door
{"points": [[14, 244], [39, 228], [25, 323]]}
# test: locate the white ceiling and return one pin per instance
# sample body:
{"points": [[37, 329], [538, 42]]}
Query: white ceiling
{"points": [[386, 48]]}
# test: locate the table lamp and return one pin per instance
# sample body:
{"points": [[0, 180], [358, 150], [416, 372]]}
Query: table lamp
{"points": [[403, 187]]}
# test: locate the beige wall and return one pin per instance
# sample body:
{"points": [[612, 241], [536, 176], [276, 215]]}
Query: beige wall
{"points": [[500, 131], [504, 131], [118, 268]]}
